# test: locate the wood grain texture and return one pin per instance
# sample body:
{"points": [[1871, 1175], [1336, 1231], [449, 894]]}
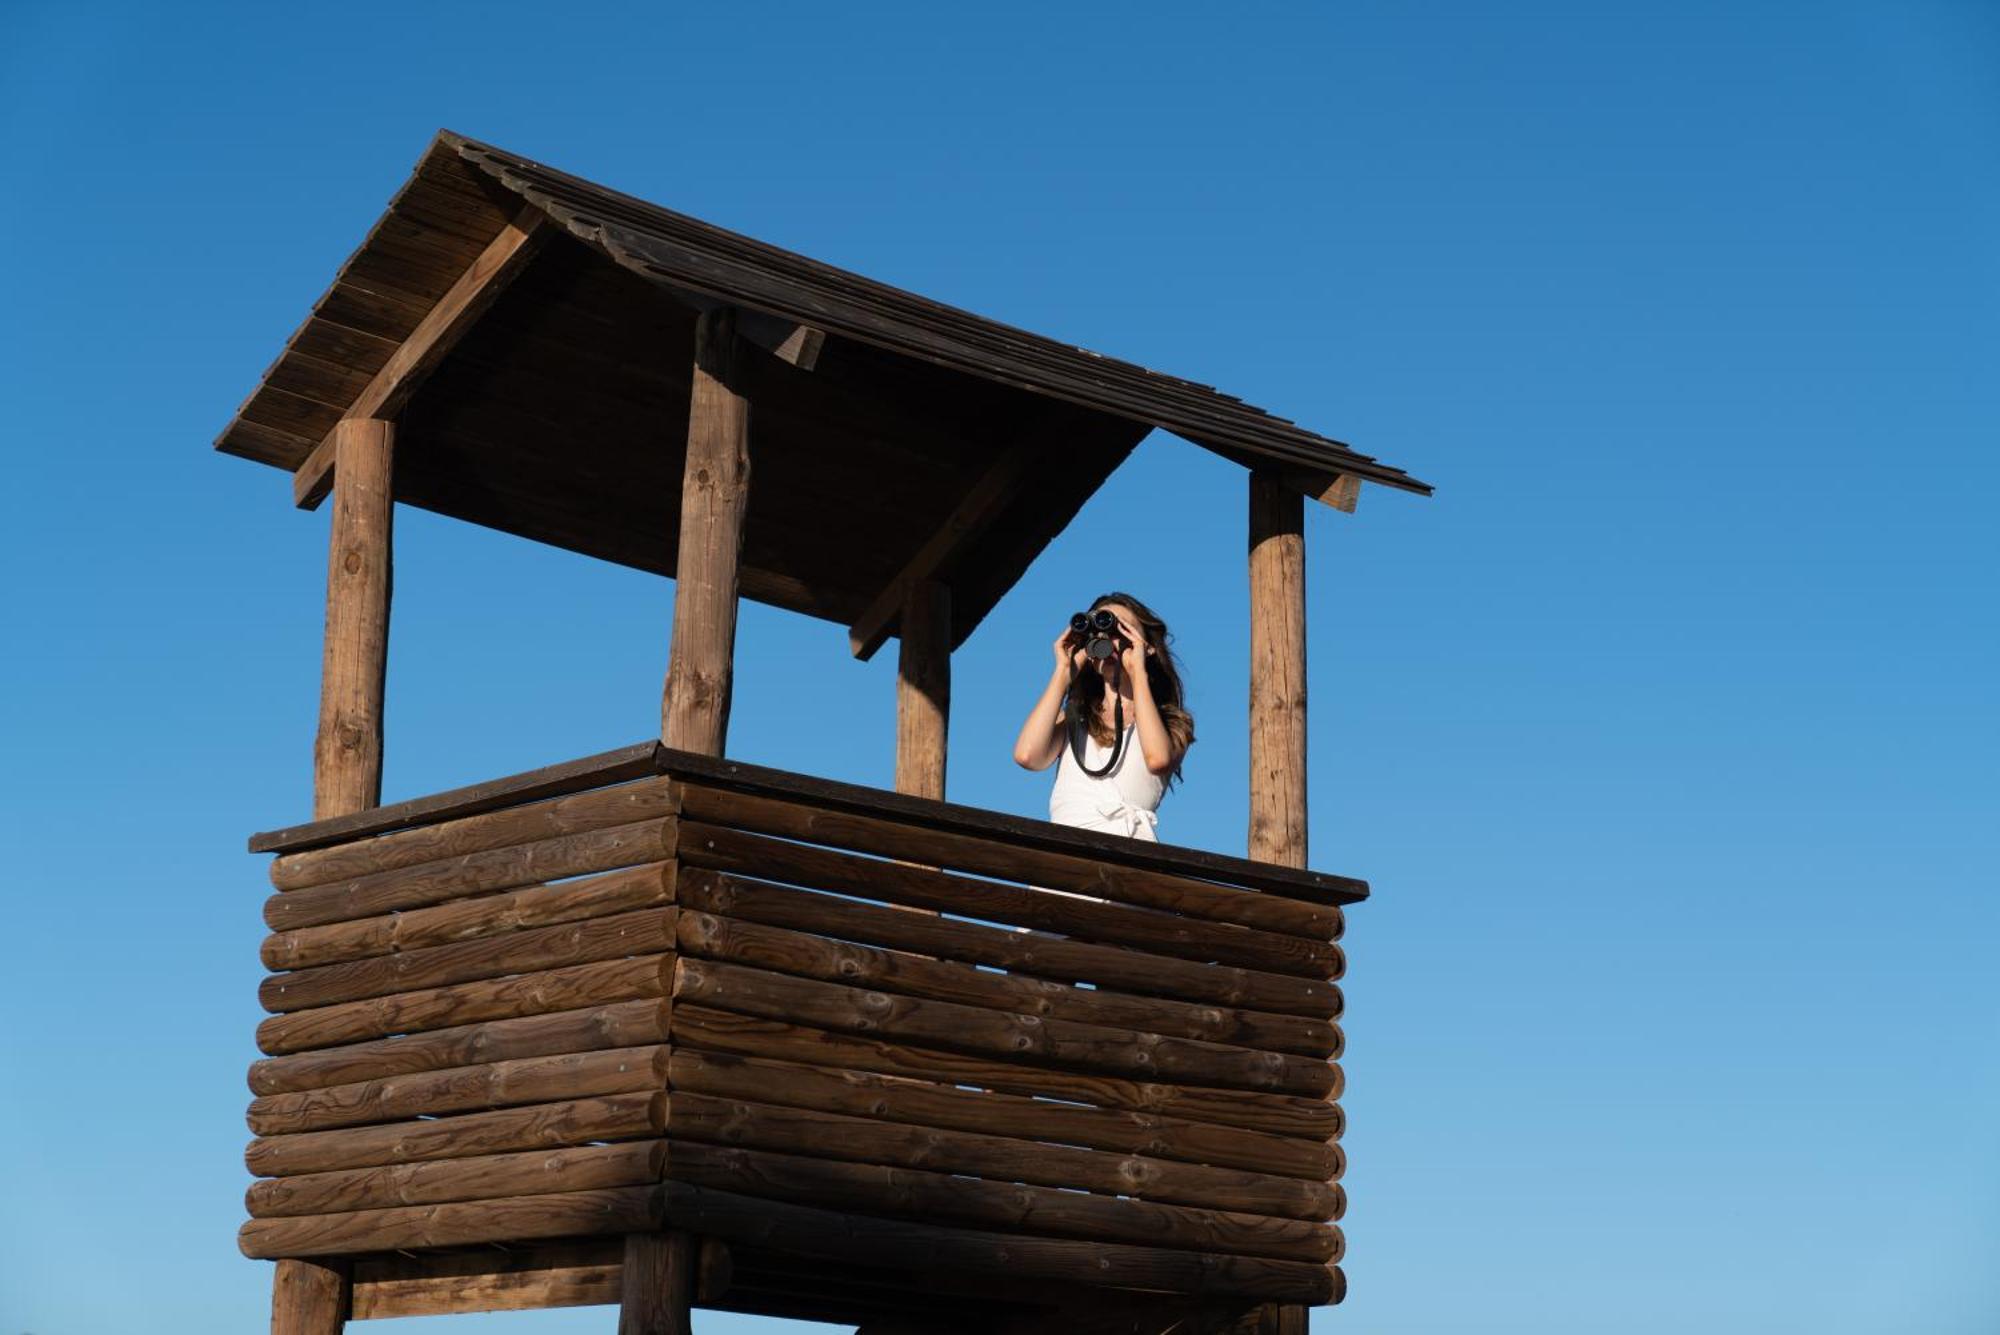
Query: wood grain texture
{"points": [[923, 689], [540, 1126], [657, 1287], [309, 1297], [526, 1277], [715, 492], [347, 751], [1277, 672], [482, 1177], [551, 1215]]}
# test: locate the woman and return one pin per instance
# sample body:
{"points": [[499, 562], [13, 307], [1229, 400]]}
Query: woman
{"points": [[1138, 687]]}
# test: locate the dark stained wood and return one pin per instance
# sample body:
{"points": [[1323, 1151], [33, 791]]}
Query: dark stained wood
{"points": [[347, 752], [657, 1286], [565, 1273], [889, 1098], [923, 690], [483, 1177], [622, 1024], [913, 995], [1277, 672], [409, 1013], [1032, 959], [551, 1215], [1312, 1120], [309, 1297], [539, 1126], [609, 767], [715, 488], [384, 395]]}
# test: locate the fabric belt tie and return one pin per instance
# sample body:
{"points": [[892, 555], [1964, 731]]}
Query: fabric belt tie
{"points": [[1128, 818]]}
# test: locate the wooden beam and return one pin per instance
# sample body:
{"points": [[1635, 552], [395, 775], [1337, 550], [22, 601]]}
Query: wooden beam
{"points": [[923, 690], [801, 347], [975, 513], [658, 1284], [347, 754], [715, 492], [1342, 491], [310, 1297], [1277, 672], [435, 335]]}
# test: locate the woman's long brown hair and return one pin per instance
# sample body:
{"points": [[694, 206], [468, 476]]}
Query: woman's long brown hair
{"points": [[1163, 672]]}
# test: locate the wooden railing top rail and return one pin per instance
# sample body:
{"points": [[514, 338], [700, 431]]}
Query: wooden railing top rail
{"points": [[648, 758]]}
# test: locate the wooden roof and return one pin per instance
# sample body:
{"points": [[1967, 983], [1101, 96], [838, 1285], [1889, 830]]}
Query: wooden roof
{"points": [[914, 441]]}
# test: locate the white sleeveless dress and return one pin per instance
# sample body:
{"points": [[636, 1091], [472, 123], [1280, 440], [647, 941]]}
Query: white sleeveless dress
{"points": [[1125, 801]]}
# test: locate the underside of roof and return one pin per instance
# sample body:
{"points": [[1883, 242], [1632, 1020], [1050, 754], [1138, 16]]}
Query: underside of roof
{"points": [[920, 437]]}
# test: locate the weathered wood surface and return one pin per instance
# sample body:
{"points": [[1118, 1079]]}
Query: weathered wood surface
{"points": [[564, 1273], [467, 1003], [951, 1106], [539, 1126], [1277, 672], [994, 1034], [1151, 930], [497, 1084], [657, 1285], [941, 1197], [531, 823], [347, 751], [338, 1074], [821, 1134], [952, 1006], [838, 1235], [431, 883], [467, 919], [309, 1297], [482, 1177], [780, 1040], [715, 492], [1206, 998], [1007, 861], [643, 932], [502, 1219], [923, 690], [433, 810]]}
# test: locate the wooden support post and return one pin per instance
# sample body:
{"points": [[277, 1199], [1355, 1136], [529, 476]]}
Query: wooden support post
{"points": [[310, 1297], [657, 1287], [715, 489], [347, 757], [923, 690], [1277, 672]]}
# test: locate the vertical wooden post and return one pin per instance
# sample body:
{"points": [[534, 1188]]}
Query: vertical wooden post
{"points": [[657, 1284], [312, 1297], [715, 489], [923, 690], [1277, 672], [347, 755]]}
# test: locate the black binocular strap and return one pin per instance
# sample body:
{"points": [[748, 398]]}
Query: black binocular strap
{"points": [[1077, 733]]}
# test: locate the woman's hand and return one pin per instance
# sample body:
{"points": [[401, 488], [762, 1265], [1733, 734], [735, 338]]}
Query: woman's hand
{"points": [[1069, 655]]}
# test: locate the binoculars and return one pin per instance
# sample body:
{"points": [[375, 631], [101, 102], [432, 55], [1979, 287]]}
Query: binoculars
{"points": [[1099, 634]]}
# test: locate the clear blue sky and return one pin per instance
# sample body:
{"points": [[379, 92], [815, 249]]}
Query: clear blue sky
{"points": [[1665, 732]]}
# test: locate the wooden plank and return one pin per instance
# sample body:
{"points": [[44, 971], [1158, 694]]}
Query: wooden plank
{"points": [[441, 1008], [943, 1198], [981, 1012], [658, 1284], [923, 690], [607, 767], [645, 932], [508, 1219], [575, 813], [482, 1177], [703, 774], [1277, 672], [428, 344], [490, 1279], [621, 1024], [347, 751], [694, 715], [1156, 932], [975, 512], [430, 883], [538, 1126], [309, 1297], [496, 1084], [480, 917], [1341, 491], [1128, 986], [1311, 1120], [927, 1103], [842, 1236]]}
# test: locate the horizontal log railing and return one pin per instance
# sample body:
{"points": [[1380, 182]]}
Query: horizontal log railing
{"points": [[651, 990]]}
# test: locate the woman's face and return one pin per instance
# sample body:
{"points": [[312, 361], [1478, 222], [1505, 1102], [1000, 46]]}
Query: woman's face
{"points": [[1128, 626]]}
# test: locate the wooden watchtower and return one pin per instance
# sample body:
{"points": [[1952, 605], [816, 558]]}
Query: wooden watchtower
{"points": [[658, 1029]]}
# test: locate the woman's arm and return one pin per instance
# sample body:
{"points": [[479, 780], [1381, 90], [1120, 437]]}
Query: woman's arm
{"points": [[1041, 736], [1154, 743]]}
